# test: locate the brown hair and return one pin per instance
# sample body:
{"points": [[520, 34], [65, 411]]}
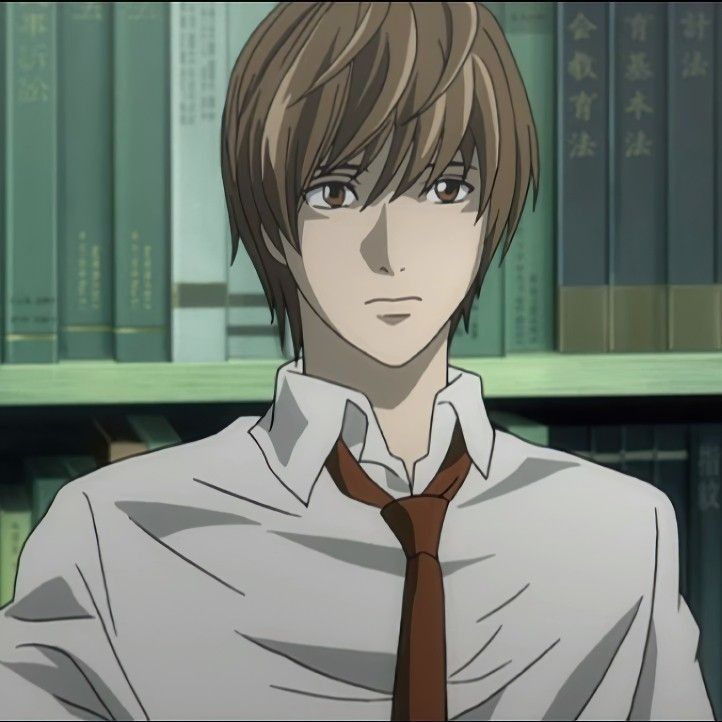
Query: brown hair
{"points": [[320, 83]]}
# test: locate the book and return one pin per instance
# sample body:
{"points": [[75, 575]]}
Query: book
{"points": [[705, 551], [15, 527], [154, 430], [607, 445], [572, 438], [121, 436], [3, 103], [582, 177], [525, 428], [46, 475], [638, 163], [638, 451], [718, 157], [30, 261], [671, 474], [85, 210], [695, 320], [250, 333], [141, 181], [529, 263], [198, 210], [485, 336]]}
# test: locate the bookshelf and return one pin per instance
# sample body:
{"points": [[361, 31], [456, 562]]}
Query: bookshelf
{"points": [[550, 375]]}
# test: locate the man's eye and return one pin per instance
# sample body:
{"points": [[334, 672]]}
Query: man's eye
{"points": [[333, 194], [448, 190]]}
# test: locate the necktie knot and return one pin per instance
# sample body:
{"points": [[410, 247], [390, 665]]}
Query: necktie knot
{"points": [[417, 521]]}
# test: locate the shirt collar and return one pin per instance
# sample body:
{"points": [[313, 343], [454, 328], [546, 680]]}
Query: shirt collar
{"points": [[308, 413]]}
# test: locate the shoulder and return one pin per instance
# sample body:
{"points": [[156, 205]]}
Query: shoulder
{"points": [[577, 489], [582, 522]]}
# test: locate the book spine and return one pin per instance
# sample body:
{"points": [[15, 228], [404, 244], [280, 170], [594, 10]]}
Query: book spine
{"points": [[638, 456], [3, 141], [638, 252], [582, 178], [705, 548], [522, 427], [485, 336], [115, 439], [44, 477], [718, 164], [31, 330], [573, 439], [77, 465], [141, 189], [85, 213], [198, 224], [671, 474], [155, 431], [486, 319], [15, 527], [694, 316], [529, 279], [250, 333], [608, 445]]}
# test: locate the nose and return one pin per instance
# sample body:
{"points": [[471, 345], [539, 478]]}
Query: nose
{"points": [[383, 247]]}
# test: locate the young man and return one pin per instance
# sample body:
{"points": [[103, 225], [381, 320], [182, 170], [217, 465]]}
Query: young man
{"points": [[372, 547]]}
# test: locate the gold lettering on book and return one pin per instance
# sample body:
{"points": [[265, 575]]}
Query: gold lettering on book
{"points": [[639, 26], [637, 143], [638, 67], [581, 66], [694, 25], [581, 27], [583, 146], [582, 103]]}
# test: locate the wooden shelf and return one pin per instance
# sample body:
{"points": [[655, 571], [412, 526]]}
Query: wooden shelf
{"points": [[518, 376]]}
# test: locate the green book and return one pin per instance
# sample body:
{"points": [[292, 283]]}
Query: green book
{"points": [[485, 336], [154, 430], [637, 166], [521, 426], [85, 211], [582, 178], [45, 475], [31, 324], [705, 551], [250, 333], [694, 313], [198, 210], [141, 181], [15, 527], [3, 60], [529, 278]]}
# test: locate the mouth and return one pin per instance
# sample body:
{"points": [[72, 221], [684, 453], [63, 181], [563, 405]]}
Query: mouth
{"points": [[393, 318], [393, 300]]}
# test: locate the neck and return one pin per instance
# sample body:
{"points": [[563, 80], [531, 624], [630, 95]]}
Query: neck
{"points": [[402, 397]]}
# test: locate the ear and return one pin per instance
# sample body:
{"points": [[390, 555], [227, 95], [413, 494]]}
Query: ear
{"points": [[271, 248]]}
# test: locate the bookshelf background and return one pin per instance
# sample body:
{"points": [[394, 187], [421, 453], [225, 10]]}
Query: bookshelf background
{"points": [[553, 343]]}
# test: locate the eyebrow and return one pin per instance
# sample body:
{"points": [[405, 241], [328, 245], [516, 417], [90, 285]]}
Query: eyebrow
{"points": [[356, 169], [452, 164], [326, 170]]}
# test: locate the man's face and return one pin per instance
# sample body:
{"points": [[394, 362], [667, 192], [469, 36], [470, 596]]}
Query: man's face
{"points": [[388, 278]]}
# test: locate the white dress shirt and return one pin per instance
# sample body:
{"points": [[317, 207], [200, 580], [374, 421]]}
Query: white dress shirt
{"points": [[230, 578]]}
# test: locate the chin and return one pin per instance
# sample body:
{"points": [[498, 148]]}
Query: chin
{"points": [[394, 353]]}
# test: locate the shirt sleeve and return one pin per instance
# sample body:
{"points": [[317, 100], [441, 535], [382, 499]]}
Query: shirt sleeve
{"points": [[670, 685], [58, 657]]}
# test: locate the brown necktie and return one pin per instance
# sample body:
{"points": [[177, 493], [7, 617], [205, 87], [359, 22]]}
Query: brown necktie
{"points": [[420, 680]]}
